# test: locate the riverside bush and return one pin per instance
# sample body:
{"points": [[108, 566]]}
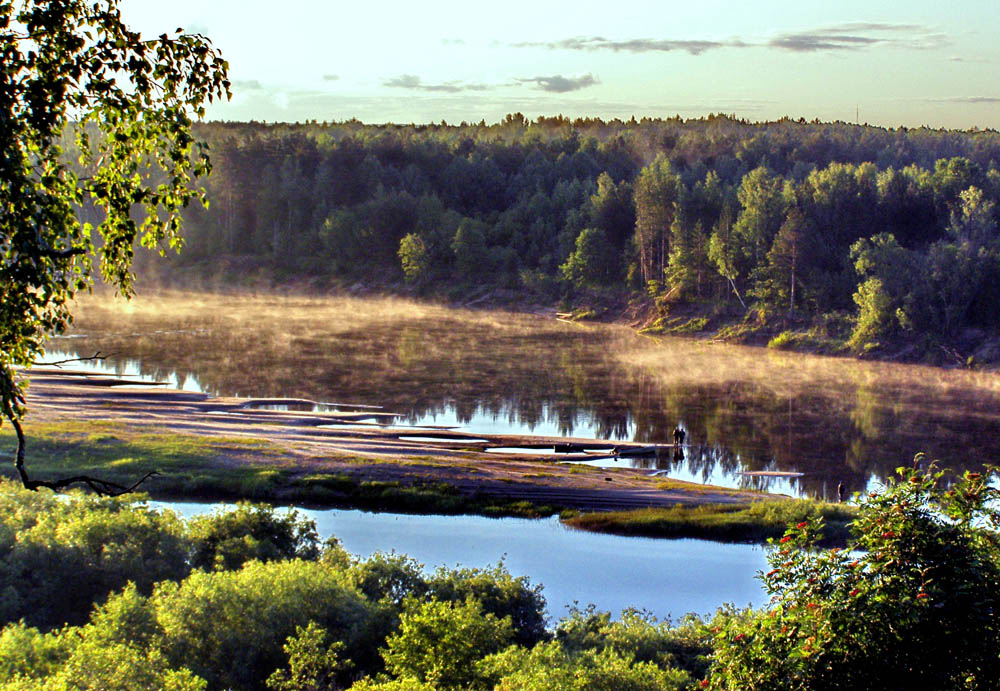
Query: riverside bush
{"points": [[913, 605]]}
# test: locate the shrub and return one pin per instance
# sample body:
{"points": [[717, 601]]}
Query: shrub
{"points": [[439, 642], [550, 667], [229, 538], [230, 626], [500, 594], [57, 558], [911, 606]]}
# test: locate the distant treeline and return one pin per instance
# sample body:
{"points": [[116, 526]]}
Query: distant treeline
{"points": [[896, 228]]}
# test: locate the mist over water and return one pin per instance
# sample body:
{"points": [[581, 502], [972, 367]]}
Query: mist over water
{"points": [[744, 409]]}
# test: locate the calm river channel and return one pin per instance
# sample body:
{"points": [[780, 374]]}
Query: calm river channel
{"points": [[664, 577]]}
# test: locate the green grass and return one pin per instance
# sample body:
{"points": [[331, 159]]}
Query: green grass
{"points": [[755, 522], [211, 468], [188, 465]]}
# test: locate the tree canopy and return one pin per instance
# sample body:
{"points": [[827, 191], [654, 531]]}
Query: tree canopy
{"points": [[77, 83]]}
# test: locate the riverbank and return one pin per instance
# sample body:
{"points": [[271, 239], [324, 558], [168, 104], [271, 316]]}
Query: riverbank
{"points": [[229, 448]]}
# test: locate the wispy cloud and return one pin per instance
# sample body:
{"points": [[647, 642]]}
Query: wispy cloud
{"points": [[966, 99], [412, 81], [852, 36], [559, 84], [858, 35], [247, 85], [634, 45]]}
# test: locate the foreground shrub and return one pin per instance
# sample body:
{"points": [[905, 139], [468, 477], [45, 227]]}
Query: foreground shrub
{"points": [[439, 642], [637, 634], [549, 667], [230, 627], [914, 607], [58, 557], [229, 538], [500, 594]]}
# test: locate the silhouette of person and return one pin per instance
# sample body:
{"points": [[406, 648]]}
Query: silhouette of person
{"points": [[840, 492], [679, 435]]}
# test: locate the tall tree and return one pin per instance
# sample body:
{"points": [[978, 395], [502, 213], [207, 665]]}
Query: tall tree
{"points": [[73, 67], [656, 190], [788, 257], [762, 211]]}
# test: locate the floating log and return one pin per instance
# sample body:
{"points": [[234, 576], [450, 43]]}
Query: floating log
{"points": [[640, 451]]}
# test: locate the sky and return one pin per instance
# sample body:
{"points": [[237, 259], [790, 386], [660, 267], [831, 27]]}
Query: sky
{"points": [[886, 63]]}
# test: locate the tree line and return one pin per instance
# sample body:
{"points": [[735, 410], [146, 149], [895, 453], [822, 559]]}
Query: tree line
{"points": [[895, 228]]}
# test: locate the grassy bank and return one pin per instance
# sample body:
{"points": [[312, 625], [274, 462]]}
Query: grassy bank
{"points": [[202, 468], [755, 522]]}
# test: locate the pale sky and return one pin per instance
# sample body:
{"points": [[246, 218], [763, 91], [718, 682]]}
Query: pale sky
{"points": [[918, 62]]}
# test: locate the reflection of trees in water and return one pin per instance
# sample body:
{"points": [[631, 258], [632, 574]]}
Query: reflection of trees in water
{"points": [[844, 428]]}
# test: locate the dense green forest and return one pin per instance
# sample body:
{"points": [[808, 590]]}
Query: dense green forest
{"points": [[888, 233], [102, 593]]}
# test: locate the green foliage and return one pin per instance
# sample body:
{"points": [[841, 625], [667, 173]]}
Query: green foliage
{"points": [[26, 652], [639, 635], [230, 626], [755, 522], [549, 667], [229, 538], [59, 557], [877, 316], [591, 264], [656, 189], [72, 69], [439, 642], [312, 662], [113, 651], [885, 293], [499, 593], [912, 605], [472, 256], [392, 577], [386, 684], [414, 257]]}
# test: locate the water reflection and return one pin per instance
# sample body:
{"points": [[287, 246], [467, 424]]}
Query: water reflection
{"points": [[493, 372]]}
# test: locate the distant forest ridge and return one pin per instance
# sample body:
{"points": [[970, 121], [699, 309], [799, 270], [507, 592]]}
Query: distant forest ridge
{"points": [[893, 229]]}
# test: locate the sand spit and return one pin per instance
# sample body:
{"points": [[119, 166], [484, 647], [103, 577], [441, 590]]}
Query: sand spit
{"points": [[367, 445]]}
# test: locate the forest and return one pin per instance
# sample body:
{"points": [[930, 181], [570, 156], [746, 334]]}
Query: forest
{"points": [[866, 234]]}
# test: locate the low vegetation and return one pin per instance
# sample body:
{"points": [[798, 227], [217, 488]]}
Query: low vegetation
{"points": [[211, 468], [103, 593], [756, 522]]}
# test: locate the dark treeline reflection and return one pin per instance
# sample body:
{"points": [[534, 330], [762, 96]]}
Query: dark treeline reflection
{"points": [[744, 409]]}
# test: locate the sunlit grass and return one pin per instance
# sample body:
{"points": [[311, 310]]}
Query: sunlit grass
{"points": [[755, 522], [198, 467]]}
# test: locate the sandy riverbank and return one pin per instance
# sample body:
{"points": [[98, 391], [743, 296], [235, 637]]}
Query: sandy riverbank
{"points": [[359, 447]]}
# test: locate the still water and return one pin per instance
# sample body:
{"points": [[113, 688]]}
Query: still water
{"points": [[744, 409], [665, 577]]}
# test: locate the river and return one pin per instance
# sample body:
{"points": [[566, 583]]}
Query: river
{"points": [[745, 410], [665, 577]]}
